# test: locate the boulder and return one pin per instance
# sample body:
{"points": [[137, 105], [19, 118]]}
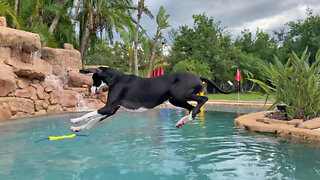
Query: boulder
{"points": [[13, 38], [310, 124], [81, 90], [5, 53], [7, 80], [62, 60], [3, 21], [41, 93], [54, 99], [55, 109], [17, 104], [76, 79], [40, 113], [23, 83], [5, 112], [94, 103], [19, 55], [103, 96], [68, 46], [29, 92], [38, 71], [41, 104], [68, 98], [19, 115]]}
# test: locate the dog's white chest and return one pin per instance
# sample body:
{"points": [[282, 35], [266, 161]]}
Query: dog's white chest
{"points": [[141, 109]]}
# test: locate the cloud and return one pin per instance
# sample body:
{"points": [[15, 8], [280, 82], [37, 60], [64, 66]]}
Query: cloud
{"points": [[234, 14]]}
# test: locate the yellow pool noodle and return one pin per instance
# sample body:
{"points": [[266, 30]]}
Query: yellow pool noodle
{"points": [[61, 137]]}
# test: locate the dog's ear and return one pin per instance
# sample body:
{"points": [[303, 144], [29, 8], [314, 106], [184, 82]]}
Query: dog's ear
{"points": [[91, 70]]}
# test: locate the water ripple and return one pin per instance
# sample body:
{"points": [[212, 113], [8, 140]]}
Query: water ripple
{"points": [[148, 146]]}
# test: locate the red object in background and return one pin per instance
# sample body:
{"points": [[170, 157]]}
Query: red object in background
{"points": [[238, 76], [158, 71]]}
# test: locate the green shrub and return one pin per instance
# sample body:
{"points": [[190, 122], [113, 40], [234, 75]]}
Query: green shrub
{"points": [[193, 66], [295, 84]]}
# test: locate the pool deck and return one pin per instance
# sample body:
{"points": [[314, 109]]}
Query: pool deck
{"points": [[239, 103], [258, 122], [233, 103]]}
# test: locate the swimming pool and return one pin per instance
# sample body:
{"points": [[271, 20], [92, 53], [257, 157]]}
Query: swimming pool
{"points": [[148, 146]]}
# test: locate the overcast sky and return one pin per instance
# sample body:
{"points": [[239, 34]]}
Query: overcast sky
{"points": [[236, 15]]}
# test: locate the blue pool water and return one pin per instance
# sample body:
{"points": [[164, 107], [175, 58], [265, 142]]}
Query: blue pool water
{"points": [[148, 146]]}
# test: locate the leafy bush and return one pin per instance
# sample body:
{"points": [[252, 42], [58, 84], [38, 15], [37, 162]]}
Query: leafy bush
{"points": [[295, 84], [195, 67]]}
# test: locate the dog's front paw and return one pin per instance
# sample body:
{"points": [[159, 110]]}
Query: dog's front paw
{"points": [[75, 129], [75, 120], [180, 124]]}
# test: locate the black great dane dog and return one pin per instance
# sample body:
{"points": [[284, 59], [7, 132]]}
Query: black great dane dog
{"points": [[138, 94]]}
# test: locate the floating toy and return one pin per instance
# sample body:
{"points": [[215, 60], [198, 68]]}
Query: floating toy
{"points": [[59, 137]]}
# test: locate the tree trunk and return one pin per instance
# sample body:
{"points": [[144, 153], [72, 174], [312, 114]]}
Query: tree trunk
{"points": [[136, 38], [82, 36], [130, 51], [54, 23], [16, 5], [130, 66], [86, 49], [55, 19], [135, 48], [155, 45], [76, 11]]}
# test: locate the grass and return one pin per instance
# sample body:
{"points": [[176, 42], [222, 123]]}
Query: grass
{"points": [[234, 96]]}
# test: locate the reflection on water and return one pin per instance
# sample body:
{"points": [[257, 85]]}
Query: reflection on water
{"points": [[148, 146]]}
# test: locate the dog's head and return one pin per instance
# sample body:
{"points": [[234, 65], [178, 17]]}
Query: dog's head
{"points": [[102, 77]]}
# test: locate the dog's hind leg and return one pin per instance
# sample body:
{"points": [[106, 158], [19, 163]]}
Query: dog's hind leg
{"points": [[183, 104], [193, 111], [201, 100]]}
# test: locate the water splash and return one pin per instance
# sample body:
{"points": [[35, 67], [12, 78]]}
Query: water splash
{"points": [[33, 56], [82, 103], [55, 80]]}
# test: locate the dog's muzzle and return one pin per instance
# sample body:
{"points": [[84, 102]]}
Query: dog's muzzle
{"points": [[100, 89], [94, 90]]}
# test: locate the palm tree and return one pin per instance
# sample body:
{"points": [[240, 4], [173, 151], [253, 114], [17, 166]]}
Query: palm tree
{"points": [[162, 24], [102, 15], [7, 11], [141, 9], [37, 17], [128, 40], [55, 19]]}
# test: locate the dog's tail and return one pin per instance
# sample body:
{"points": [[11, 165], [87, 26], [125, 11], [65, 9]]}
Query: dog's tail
{"points": [[212, 85]]}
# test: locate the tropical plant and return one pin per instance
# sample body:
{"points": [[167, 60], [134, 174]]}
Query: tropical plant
{"points": [[249, 65], [162, 18], [195, 67], [128, 40], [101, 16], [8, 11], [295, 84], [205, 42], [141, 8]]}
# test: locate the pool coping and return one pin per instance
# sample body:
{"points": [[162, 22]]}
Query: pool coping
{"points": [[230, 103], [209, 102], [257, 122]]}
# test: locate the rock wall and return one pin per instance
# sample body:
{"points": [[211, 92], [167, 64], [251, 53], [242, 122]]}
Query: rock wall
{"points": [[39, 81]]}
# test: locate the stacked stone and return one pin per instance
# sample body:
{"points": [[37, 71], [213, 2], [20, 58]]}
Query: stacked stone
{"points": [[23, 89]]}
